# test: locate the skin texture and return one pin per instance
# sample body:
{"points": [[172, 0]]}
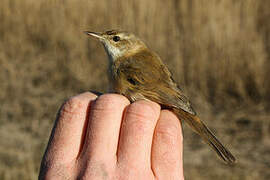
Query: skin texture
{"points": [[106, 137]]}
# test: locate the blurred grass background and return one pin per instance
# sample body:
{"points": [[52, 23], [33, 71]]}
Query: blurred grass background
{"points": [[219, 51]]}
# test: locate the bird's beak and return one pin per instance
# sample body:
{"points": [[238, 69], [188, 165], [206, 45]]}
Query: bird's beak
{"points": [[94, 34]]}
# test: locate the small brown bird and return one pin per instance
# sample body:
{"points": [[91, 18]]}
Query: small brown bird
{"points": [[138, 73]]}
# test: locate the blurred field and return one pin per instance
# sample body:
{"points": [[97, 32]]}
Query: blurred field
{"points": [[219, 51]]}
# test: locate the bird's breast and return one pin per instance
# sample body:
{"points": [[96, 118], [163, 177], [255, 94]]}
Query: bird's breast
{"points": [[116, 82]]}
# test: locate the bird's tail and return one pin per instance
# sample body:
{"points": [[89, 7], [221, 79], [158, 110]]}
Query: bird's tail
{"points": [[198, 126]]}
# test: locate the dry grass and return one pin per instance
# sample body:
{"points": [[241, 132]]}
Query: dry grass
{"points": [[218, 50]]}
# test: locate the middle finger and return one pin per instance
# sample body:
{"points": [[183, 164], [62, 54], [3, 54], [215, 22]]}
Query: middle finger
{"points": [[137, 133]]}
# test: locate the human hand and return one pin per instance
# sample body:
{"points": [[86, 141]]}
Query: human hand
{"points": [[106, 137]]}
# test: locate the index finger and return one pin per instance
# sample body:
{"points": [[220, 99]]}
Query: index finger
{"points": [[69, 129]]}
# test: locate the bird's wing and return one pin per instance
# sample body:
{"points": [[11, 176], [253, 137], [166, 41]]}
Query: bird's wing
{"points": [[153, 81]]}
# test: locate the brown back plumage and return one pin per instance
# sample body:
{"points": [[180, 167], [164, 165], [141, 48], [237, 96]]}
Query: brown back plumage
{"points": [[138, 73], [137, 77]]}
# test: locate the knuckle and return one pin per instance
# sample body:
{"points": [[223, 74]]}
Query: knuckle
{"points": [[168, 134], [169, 160], [76, 103], [137, 124], [141, 116], [144, 110], [72, 105], [109, 102]]}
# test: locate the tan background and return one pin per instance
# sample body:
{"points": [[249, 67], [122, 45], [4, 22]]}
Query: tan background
{"points": [[218, 51]]}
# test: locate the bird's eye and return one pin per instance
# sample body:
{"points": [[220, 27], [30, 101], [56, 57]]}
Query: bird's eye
{"points": [[116, 38]]}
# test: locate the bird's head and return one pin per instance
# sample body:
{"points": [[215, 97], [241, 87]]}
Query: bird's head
{"points": [[118, 43]]}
